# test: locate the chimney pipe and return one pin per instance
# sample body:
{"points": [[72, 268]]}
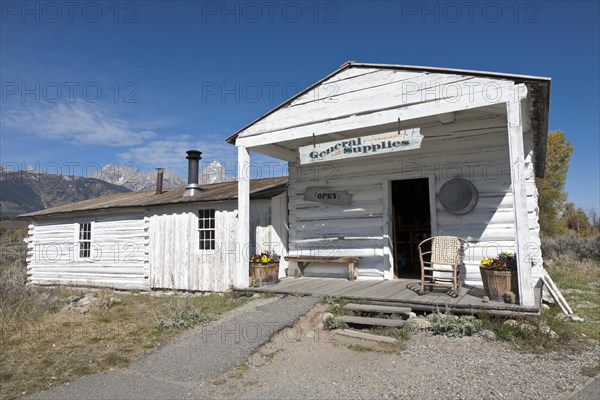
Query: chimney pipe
{"points": [[159, 180], [192, 188]]}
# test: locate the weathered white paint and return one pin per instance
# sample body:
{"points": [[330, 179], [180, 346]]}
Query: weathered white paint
{"points": [[119, 256], [476, 149], [156, 248], [241, 275], [465, 134], [274, 237], [175, 258], [381, 100], [517, 161]]}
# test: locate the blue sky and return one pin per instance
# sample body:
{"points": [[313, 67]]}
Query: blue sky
{"points": [[140, 82]]}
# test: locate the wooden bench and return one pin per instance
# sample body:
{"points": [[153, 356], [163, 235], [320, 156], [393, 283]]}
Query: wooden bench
{"points": [[299, 263]]}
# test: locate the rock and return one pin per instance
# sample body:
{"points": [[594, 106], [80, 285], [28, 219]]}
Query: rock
{"points": [[310, 334], [90, 295], [485, 299], [84, 302], [326, 315], [545, 306], [411, 315], [510, 297], [547, 297], [422, 322], [562, 316], [487, 335], [526, 327], [255, 296], [549, 332], [575, 318], [511, 322], [73, 299]]}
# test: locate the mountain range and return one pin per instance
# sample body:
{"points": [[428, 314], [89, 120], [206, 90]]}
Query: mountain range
{"points": [[29, 190]]}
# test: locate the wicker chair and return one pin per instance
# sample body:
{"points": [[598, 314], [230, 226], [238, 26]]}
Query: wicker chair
{"points": [[444, 257]]}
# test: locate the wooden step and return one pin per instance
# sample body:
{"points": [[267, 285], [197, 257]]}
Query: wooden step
{"points": [[372, 308], [370, 321], [364, 335]]}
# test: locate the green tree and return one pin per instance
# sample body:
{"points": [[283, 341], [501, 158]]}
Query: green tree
{"points": [[551, 188], [575, 219]]}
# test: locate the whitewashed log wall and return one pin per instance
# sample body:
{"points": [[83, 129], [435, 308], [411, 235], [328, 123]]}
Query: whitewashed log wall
{"points": [[472, 143], [151, 249], [119, 255], [474, 149]]}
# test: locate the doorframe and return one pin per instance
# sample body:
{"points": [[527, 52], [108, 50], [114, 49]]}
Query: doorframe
{"points": [[388, 239]]}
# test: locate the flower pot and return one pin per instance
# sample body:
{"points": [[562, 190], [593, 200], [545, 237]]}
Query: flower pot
{"points": [[263, 273], [497, 282]]}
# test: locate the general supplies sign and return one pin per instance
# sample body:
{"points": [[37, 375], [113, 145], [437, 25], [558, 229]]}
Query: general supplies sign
{"points": [[381, 143]]}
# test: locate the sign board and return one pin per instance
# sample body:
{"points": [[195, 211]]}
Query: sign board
{"points": [[381, 143], [325, 195]]}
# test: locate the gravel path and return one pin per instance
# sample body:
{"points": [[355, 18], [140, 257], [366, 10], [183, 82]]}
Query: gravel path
{"points": [[226, 360], [181, 369], [294, 365]]}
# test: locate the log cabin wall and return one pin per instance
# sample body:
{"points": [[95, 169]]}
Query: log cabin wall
{"points": [[474, 147], [118, 258]]}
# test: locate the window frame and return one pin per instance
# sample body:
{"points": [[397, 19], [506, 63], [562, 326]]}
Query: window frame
{"points": [[207, 230], [79, 240]]}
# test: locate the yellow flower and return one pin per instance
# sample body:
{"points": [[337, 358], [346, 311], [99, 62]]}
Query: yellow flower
{"points": [[265, 259]]}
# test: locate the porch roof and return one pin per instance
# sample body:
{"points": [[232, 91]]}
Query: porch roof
{"points": [[538, 89]]}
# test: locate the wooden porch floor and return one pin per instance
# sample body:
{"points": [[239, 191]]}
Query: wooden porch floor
{"points": [[399, 292]]}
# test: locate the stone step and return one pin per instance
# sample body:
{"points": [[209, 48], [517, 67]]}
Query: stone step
{"points": [[350, 320], [372, 308]]}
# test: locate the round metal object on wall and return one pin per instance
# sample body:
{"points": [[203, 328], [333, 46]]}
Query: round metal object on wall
{"points": [[458, 196]]}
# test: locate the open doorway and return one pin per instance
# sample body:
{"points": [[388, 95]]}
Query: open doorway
{"points": [[411, 224]]}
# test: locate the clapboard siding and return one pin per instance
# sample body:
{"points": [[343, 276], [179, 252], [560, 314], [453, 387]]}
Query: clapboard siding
{"points": [[175, 259], [119, 256], [476, 149]]}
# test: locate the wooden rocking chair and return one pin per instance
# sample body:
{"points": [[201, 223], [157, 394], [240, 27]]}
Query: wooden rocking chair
{"points": [[444, 257]]}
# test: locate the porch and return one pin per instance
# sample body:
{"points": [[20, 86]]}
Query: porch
{"points": [[401, 292]]}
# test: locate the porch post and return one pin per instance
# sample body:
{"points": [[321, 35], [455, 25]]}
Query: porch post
{"points": [[241, 276], [517, 173]]}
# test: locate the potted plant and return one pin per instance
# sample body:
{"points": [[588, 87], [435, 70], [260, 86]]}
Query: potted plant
{"points": [[499, 276], [264, 268]]}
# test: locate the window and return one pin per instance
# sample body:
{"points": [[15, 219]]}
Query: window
{"points": [[85, 240], [206, 229]]}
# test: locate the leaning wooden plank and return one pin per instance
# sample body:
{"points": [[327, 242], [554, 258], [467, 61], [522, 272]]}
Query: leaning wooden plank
{"points": [[364, 335], [555, 292], [377, 309], [370, 321]]}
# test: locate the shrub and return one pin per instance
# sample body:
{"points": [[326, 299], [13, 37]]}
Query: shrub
{"points": [[454, 326], [571, 246], [331, 323], [181, 315]]}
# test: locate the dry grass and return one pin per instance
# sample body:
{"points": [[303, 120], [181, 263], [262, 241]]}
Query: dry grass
{"points": [[41, 345], [579, 282]]}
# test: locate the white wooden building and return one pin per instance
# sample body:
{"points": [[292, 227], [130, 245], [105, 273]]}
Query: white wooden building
{"points": [[150, 240], [370, 148]]}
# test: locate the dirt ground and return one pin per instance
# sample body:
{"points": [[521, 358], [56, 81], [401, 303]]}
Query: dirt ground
{"points": [[307, 362]]}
